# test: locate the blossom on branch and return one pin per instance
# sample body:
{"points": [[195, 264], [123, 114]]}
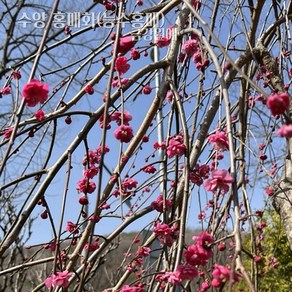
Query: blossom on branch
{"points": [[124, 133], [85, 186], [149, 169], [176, 146], [278, 103], [125, 44], [60, 279], [39, 115], [221, 275], [190, 47], [5, 90], [72, 227], [7, 133], [121, 118], [35, 92], [165, 233], [220, 180], [186, 272], [121, 65], [88, 89], [285, 131], [220, 140], [158, 204]]}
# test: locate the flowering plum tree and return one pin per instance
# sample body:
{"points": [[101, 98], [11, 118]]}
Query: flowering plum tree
{"points": [[153, 117]]}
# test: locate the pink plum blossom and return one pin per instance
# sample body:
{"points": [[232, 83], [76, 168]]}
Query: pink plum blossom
{"points": [[124, 133], [91, 172], [39, 115], [85, 185], [197, 255], [35, 92], [72, 227], [278, 103], [176, 147], [92, 246], [129, 184], [186, 272], [125, 44], [121, 65], [16, 75], [165, 233], [149, 169], [220, 180], [7, 133], [5, 90], [285, 131], [143, 251], [135, 54], [146, 89], [119, 117], [221, 275], [162, 41], [89, 89], [60, 279], [190, 46], [220, 140], [124, 82], [158, 204]]}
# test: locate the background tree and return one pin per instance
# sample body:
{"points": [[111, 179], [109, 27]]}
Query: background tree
{"points": [[121, 115]]}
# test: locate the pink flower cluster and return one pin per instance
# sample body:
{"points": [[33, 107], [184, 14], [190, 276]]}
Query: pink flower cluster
{"points": [[136, 263], [164, 41], [89, 89], [135, 54], [35, 92], [146, 89], [182, 272], [199, 173], [143, 251], [190, 47], [165, 233], [93, 157], [7, 133], [129, 183], [60, 279], [121, 118], [92, 246], [5, 91], [158, 204], [90, 161], [124, 133], [86, 186], [149, 169], [126, 185], [200, 252], [220, 180], [39, 115], [121, 65], [220, 140], [176, 146], [278, 103], [123, 82], [285, 131], [125, 44], [196, 254], [201, 60], [221, 275], [72, 227]]}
